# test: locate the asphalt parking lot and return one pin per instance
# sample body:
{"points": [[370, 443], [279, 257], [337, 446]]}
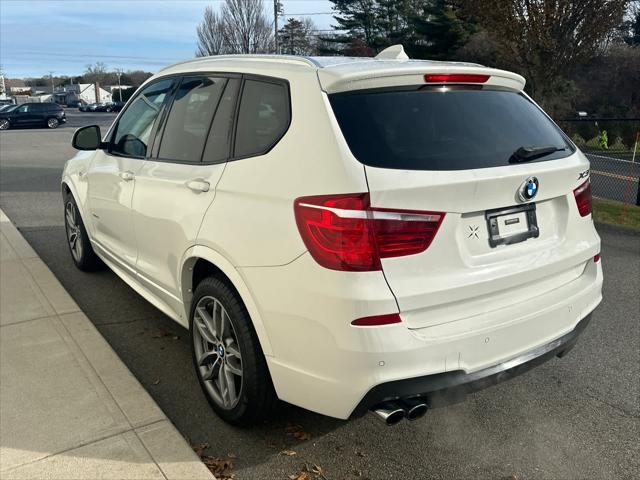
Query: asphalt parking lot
{"points": [[576, 417]]}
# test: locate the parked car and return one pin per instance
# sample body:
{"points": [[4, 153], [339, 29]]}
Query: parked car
{"points": [[29, 114], [342, 234], [109, 107], [89, 107]]}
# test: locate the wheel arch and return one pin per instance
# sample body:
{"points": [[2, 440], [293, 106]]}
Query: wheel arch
{"points": [[67, 188], [199, 262]]}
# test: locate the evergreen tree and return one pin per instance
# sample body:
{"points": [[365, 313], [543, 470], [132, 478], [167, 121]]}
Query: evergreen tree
{"points": [[438, 31], [426, 28]]}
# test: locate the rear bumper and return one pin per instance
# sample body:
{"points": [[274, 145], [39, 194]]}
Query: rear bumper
{"points": [[320, 362], [452, 387]]}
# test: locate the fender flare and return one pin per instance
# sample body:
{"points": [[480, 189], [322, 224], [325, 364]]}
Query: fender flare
{"points": [[197, 252]]}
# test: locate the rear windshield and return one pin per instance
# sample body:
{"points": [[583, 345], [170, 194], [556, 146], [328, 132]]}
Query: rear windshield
{"points": [[436, 128]]}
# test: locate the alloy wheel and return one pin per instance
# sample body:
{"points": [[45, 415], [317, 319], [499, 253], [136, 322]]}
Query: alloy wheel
{"points": [[217, 352], [74, 233], [4, 124], [52, 123]]}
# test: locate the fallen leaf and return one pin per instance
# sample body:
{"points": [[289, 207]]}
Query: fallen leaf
{"points": [[302, 435], [296, 431], [220, 467], [300, 476], [317, 469], [200, 448], [288, 452], [162, 333]]}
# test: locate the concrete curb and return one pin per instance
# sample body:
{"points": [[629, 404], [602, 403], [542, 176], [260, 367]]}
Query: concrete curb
{"points": [[69, 407]]}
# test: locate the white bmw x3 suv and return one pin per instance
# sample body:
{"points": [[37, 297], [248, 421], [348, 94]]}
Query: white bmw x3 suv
{"points": [[344, 234]]}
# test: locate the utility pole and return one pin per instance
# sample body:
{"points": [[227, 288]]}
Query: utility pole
{"points": [[278, 9], [51, 75], [119, 72], [275, 18]]}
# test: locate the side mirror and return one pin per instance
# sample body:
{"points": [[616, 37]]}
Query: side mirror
{"points": [[87, 138]]}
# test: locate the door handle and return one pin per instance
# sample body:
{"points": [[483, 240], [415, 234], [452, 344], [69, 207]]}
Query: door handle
{"points": [[127, 175], [199, 185]]}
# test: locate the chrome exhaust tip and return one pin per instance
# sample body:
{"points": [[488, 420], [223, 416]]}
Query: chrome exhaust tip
{"points": [[414, 408], [388, 412]]}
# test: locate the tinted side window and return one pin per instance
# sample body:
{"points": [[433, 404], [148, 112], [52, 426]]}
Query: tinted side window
{"points": [[217, 149], [131, 135], [263, 117], [188, 123]]}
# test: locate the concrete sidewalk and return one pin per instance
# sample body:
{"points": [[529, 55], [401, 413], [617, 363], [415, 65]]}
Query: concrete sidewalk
{"points": [[69, 408]]}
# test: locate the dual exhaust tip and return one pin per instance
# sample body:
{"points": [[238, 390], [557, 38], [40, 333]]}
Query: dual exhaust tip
{"points": [[393, 412]]}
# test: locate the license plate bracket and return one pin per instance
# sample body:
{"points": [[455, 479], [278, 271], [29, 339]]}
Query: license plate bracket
{"points": [[505, 217]]}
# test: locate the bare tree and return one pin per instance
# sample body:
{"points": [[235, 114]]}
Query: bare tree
{"points": [[210, 34], [96, 73], [241, 27], [545, 39]]}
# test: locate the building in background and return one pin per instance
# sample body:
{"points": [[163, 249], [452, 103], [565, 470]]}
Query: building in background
{"points": [[81, 93]]}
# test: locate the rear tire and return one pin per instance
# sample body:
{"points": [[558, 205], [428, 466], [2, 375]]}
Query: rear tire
{"points": [[4, 124], [222, 348], [77, 238]]}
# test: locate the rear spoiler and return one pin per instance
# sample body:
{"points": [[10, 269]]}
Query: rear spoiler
{"points": [[394, 73]]}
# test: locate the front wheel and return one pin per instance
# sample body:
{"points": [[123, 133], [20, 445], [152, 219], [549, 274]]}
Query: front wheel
{"points": [[53, 123], [228, 360], [77, 238], [4, 124]]}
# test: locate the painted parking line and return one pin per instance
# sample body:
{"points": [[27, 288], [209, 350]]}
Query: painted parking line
{"points": [[615, 175]]}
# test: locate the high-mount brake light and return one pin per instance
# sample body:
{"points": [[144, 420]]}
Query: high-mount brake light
{"points": [[455, 78], [343, 232]]}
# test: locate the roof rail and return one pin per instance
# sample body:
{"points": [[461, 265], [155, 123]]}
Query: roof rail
{"points": [[267, 57]]}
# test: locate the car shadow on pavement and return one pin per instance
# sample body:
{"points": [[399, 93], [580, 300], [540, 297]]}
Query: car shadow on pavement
{"points": [[157, 351]]}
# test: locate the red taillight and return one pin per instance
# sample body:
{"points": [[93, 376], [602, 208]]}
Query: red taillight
{"points": [[343, 232], [583, 198], [377, 320], [596, 258], [455, 78]]}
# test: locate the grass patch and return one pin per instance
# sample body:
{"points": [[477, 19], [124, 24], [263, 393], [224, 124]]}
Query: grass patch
{"points": [[616, 213]]}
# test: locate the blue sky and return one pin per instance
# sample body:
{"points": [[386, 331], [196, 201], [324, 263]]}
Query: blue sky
{"points": [[63, 36]]}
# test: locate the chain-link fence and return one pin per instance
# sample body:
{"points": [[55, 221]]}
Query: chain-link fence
{"points": [[613, 147]]}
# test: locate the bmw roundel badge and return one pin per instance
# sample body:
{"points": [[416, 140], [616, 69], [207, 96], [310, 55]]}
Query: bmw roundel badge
{"points": [[529, 189]]}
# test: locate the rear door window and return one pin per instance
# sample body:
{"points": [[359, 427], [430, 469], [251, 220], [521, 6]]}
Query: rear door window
{"points": [[451, 128], [263, 117], [194, 105], [218, 141]]}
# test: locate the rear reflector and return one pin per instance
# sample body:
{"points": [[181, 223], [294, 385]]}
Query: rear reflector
{"points": [[377, 320], [596, 258], [583, 198], [455, 78], [343, 232]]}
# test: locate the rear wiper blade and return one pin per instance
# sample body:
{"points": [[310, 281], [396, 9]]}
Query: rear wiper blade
{"points": [[526, 154]]}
